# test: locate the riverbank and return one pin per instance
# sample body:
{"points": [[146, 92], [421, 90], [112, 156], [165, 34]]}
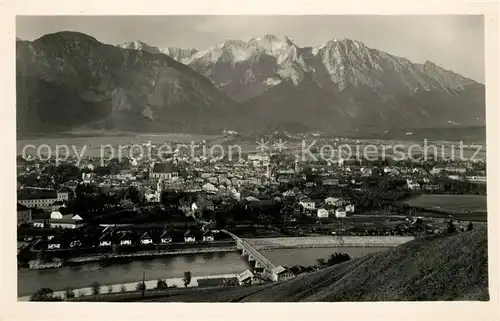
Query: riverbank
{"points": [[129, 287], [158, 253], [129, 270], [327, 241], [109, 257]]}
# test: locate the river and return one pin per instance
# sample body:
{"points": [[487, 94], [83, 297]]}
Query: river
{"points": [[206, 264]]}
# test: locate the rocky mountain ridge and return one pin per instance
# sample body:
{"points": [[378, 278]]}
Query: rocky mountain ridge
{"points": [[70, 79], [340, 83]]}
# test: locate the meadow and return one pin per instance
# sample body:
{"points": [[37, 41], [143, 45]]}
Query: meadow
{"points": [[452, 204]]}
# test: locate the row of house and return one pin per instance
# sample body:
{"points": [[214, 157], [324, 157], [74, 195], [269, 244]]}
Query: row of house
{"points": [[125, 238]]}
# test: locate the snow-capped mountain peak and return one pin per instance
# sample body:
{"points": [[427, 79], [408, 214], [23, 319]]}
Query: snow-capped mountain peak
{"points": [[253, 65], [140, 45], [271, 45], [178, 54]]}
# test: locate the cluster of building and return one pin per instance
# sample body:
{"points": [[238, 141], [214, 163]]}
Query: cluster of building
{"points": [[252, 179], [47, 200]]}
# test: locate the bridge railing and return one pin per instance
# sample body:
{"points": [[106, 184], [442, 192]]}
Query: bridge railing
{"points": [[250, 249]]}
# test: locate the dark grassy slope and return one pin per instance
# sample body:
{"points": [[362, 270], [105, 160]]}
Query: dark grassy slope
{"points": [[442, 268], [70, 80]]}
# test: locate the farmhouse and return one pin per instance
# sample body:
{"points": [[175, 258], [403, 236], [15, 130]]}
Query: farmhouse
{"points": [[54, 245], [189, 237], [208, 236], [308, 204], [105, 240], [126, 238], [339, 212], [245, 277], [146, 239], [322, 213], [412, 184], [280, 273], [334, 201]]}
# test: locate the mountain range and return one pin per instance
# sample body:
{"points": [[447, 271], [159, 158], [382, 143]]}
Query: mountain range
{"points": [[68, 80]]}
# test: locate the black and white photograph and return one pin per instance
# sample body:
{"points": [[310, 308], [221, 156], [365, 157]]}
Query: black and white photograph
{"points": [[251, 158]]}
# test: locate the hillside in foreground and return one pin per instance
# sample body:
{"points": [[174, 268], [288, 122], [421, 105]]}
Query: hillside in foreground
{"points": [[442, 268]]}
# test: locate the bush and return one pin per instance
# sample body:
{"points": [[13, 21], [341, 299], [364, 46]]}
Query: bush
{"points": [[450, 228], [187, 278], [337, 258], [321, 262], [161, 284], [141, 286], [45, 294], [123, 288], [96, 288], [110, 288], [69, 293]]}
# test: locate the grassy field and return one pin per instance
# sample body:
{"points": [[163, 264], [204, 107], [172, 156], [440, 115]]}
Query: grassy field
{"points": [[473, 217], [450, 203]]}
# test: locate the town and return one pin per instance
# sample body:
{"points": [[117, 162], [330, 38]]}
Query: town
{"points": [[125, 206]]}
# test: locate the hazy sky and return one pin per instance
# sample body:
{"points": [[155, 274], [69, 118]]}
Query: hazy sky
{"points": [[454, 42]]}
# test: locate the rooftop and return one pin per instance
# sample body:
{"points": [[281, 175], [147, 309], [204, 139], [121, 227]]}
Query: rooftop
{"points": [[163, 168], [245, 275], [279, 269], [36, 194]]}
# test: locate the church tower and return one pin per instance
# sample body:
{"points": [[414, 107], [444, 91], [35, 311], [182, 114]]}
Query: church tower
{"points": [[159, 190]]}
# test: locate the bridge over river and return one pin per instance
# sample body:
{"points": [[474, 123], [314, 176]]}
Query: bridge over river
{"points": [[261, 262]]}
